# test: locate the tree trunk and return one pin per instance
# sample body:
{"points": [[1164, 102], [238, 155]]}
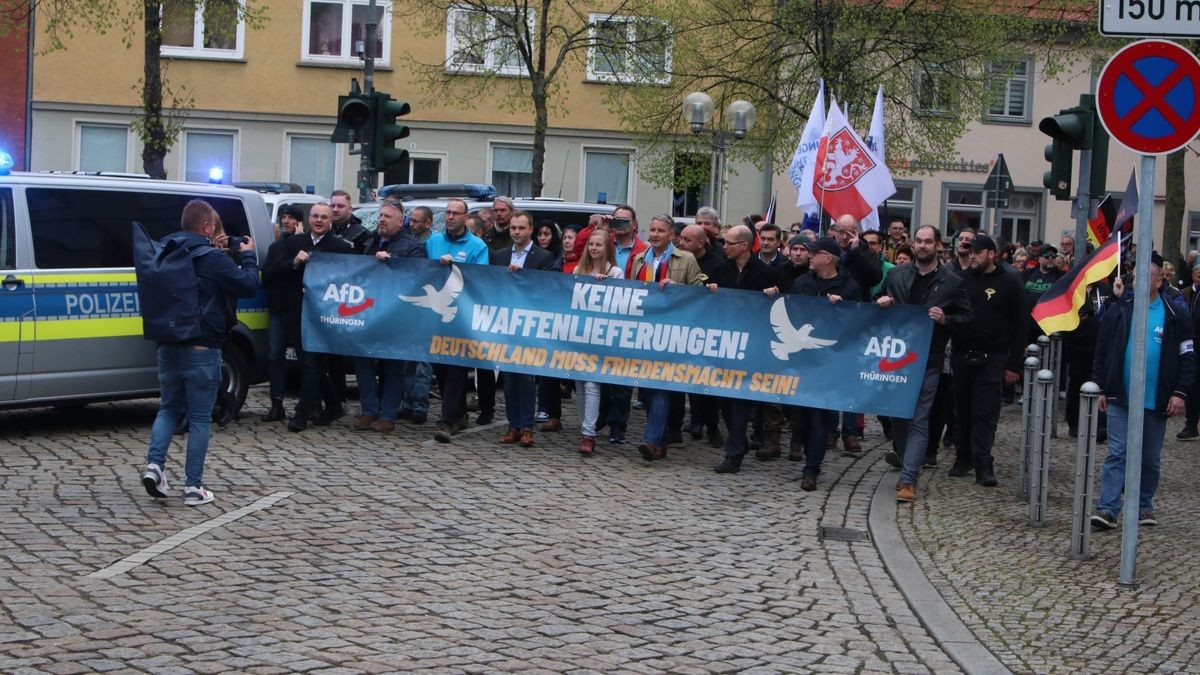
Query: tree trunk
{"points": [[154, 134], [1173, 218], [541, 119]]}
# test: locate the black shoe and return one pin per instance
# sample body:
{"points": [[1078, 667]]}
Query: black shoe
{"points": [[1103, 521], [984, 475], [728, 465], [930, 462], [808, 482], [1187, 434], [418, 417], [616, 437], [893, 459], [673, 438], [1101, 436], [959, 469], [276, 413], [715, 439], [297, 423], [768, 453], [485, 417], [443, 433], [696, 430], [330, 416]]}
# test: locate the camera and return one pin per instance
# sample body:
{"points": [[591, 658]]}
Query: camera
{"points": [[235, 243], [620, 223]]}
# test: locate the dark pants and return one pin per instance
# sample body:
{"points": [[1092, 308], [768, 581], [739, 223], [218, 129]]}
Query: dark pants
{"points": [[941, 419], [1079, 370], [520, 393], [977, 399], [549, 396], [737, 417], [614, 406], [485, 389], [675, 413], [706, 411], [815, 424], [315, 382], [278, 339], [454, 392]]}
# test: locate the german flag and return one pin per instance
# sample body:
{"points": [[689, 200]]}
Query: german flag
{"points": [[1058, 310]]}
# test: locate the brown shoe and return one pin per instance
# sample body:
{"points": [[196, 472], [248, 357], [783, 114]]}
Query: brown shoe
{"points": [[363, 422], [831, 442], [588, 445], [554, 424], [383, 426], [906, 493], [526, 438], [510, 437], [853, 445]]}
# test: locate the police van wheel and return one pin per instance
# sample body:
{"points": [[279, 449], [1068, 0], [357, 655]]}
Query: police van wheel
{"points": [[235, 377]]}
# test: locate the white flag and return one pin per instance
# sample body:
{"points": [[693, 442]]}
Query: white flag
{"points": [[875, 144], [848, 178], [805, 158]]}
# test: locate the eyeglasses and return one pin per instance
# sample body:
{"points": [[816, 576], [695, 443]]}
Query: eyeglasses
{"points": [[728, 242], [455, 213]]}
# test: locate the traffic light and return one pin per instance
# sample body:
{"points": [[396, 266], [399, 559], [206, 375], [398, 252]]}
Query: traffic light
{"points": [[1069, 130], [385, 132], [355, 114]]}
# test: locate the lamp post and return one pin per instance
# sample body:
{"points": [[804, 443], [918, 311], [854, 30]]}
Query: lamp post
{"points": [[698, 112]]}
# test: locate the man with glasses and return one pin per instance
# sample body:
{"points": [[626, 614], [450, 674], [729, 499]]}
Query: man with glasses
{"points": [[454, 246]]}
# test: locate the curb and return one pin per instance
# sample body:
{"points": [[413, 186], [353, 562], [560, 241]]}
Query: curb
{"points": [[926, 601]]}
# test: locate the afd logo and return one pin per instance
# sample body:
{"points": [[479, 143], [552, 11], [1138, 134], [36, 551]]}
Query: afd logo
{"points": [[351, 299], [892, 352]]}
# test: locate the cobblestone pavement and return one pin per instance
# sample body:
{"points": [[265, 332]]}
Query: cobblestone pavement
{"points": [[1017, 588], [396, 553]]}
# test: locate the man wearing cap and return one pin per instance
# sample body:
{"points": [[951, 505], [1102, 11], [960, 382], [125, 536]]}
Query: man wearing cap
{"points": [[1170, 369], [825, 279], [291, 221], [987, 354], [1038, 280]]}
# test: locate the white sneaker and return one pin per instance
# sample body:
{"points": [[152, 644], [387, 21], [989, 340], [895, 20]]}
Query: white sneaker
{"points": [[541, 416], [155, 481], [195, 496]]}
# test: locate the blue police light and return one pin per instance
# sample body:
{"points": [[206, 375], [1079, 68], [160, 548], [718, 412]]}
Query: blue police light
{"points": [[6, 163], [216, 175]]}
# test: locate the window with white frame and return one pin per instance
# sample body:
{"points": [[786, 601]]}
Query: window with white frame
{"points": [[1008, 91], [628, 49], [103, 147], [207, 150], [606, 172], [935, 90], [312, 160], [203, 28], [901, 205], [416, 170], [512, 170], [691, 177], [962, 206], [335, 31], [480, 41]]}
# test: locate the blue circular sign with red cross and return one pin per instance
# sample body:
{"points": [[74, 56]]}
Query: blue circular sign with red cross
{"points": [[1148, 97]]}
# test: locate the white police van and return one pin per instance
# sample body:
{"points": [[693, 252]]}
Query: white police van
{"points": [[478, 196], [70, 329]]}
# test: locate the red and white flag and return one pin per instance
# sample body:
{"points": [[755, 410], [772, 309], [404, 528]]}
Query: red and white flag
{"points": [[849, 178]]}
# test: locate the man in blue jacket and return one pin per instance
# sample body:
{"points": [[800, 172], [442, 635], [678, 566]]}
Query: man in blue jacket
{"points": [[189, 372], [1170, 369]]}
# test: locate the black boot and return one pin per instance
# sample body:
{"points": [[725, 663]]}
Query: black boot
{"points": [[276, 413], [962, 467], [983, 473]]}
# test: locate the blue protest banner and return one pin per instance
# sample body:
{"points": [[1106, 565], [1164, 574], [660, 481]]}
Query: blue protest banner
{"points": [[741, 344]]}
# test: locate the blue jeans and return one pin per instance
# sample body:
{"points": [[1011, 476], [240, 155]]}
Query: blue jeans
{"points": [[910, 437], [658, 405], [188, 378], [1112, 476], [520, 394], [277, 342], [816, 424], [418, 377], [378, 400]]}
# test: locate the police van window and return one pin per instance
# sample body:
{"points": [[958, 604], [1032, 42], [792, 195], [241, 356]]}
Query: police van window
{"points": [[8, 231], [76, 228]]}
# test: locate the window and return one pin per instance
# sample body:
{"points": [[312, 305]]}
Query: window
{"points": [[103, 148], [1008, 91], [935, 90], [8, 231], [1193, 230], [483, 42], [75, 228], [962, 207], [414, 171], [628, 49], [692, 171], [312, 161], [203, 28], [205, 151], [335, 31], [902, 205], [1021, 219], [606, 176], [512, 170]]}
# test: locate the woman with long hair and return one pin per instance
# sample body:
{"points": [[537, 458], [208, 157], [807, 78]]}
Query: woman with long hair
{"points": [[599, 261]]}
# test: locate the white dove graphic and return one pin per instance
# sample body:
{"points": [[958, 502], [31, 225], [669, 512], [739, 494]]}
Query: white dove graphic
{"points": [[791, 340], [440, 301]]}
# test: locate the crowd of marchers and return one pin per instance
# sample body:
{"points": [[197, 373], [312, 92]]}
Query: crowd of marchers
{"points": [[977, 290]]}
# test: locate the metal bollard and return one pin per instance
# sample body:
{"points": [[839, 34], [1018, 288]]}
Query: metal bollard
{"points": [[1039, 466], [1085, 467], [1031, 367], [1054, 364]]}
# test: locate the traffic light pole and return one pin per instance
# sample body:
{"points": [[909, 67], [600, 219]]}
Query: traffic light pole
{"points": [[366, 177], [1083, 206]]}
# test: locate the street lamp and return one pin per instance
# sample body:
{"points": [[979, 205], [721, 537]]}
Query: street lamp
{"points": [[697, 112]]}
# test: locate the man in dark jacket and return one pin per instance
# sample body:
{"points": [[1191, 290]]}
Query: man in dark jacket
{"points": [[345, 224], [1170, 369], [825, 279], [706, 410], [924, 282], [290, 269], [189, 372], [988, 353], [279, 334]]}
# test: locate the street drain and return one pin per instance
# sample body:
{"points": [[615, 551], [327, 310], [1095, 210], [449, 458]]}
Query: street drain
{"points": [[841, 534]]}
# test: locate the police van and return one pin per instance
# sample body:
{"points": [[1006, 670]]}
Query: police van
{"points": [[478, 196], [70, 329]]}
